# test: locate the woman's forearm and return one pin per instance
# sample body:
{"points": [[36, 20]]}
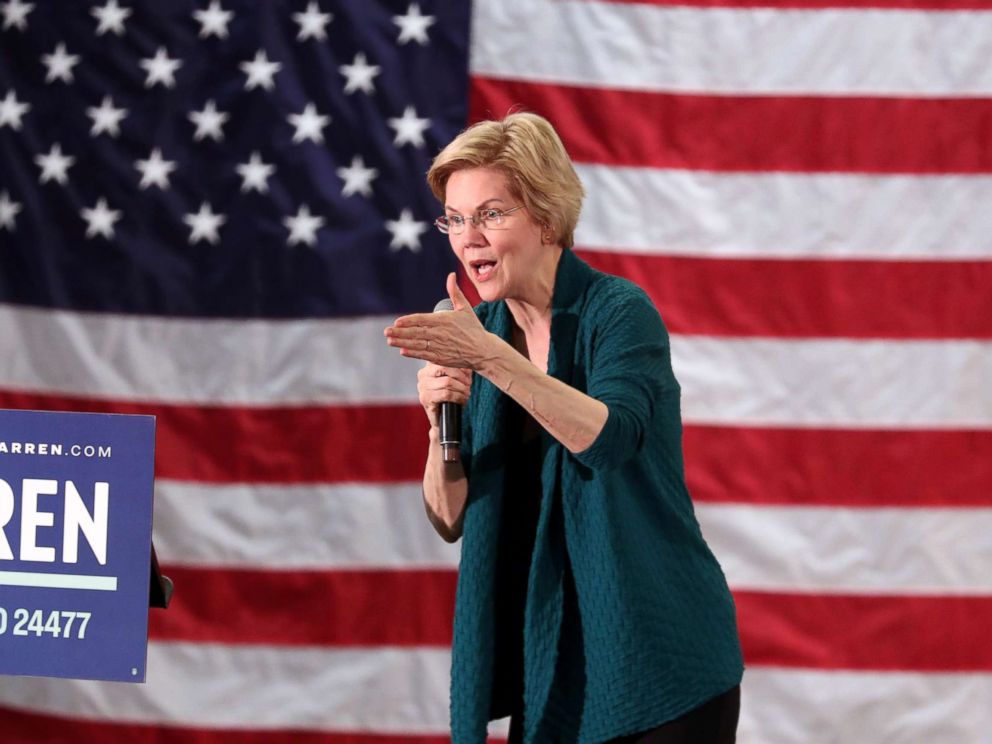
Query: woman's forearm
{"points": [[445, 491], [569, 415]]}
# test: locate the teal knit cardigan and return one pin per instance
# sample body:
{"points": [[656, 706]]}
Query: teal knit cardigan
{"points": [[647, 631]]}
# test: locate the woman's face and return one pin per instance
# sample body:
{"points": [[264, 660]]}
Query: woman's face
{"points": [[500, 261]]}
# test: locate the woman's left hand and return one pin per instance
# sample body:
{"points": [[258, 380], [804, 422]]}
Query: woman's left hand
{"points": [[450, 339]]}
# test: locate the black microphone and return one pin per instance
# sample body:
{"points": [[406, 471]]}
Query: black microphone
{"points": [[451, 413]]}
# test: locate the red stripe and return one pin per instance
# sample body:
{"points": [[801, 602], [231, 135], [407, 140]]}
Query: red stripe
{"points": [[839, 467], [808, 298], [819, 4], [753, 133], [930, 634], [407, 608], [38, 728], [269, 445], [318, 608]]}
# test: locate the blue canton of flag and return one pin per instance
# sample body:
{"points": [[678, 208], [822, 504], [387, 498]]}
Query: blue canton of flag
{"points": [[230, 159]]}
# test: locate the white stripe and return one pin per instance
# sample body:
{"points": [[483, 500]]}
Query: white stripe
{"points": [[58, 581], [926, 551], [734, 51], [258, 362], [341, 526], [781, 215], [834, 383], [825, 382], [384, 690], [780, 706], [837, 550], [406, 691]]}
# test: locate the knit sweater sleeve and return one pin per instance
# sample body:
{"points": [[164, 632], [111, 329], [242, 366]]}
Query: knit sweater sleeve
{"points": [[483, 311], [630, 371]]}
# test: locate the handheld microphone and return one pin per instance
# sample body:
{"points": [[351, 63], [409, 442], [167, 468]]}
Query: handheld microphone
{"points": [[451, 413]]}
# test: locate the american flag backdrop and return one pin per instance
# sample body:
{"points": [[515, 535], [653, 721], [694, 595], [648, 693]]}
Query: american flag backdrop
{"points": [[210, 209]]}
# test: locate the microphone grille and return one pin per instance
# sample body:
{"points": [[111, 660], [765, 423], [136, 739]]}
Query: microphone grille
{"points": [[443, 305]]}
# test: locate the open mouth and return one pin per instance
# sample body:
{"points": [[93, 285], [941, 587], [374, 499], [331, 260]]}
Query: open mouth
{"points": [[482, 268]]}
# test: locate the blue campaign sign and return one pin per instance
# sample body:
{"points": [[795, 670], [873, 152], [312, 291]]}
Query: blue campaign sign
{"points": [[75, 544]]}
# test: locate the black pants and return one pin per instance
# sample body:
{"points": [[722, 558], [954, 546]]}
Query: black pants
{"points": [[713, 722]]}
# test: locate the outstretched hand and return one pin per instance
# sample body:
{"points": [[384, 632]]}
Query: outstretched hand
{"points": [[453, 338]]}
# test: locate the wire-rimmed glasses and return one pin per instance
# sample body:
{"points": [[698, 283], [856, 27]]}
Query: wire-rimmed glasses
{"points": [[486, 219]]}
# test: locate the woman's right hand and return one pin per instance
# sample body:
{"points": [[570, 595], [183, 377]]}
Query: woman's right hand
{"points": [[437, 385]]}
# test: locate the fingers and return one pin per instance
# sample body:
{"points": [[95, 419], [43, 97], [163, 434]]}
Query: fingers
{"points": [[439, 384], [404, 329], [417, 350], [420, 320], [450, 338], [411, 342], [432, 371], [461, 373], [452, 392], [459, 380]]}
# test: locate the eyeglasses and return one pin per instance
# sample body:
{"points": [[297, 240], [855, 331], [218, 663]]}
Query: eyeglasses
{"points": [[487, 219]]}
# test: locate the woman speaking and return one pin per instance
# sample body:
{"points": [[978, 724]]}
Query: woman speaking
{"points": [[589, 608]]}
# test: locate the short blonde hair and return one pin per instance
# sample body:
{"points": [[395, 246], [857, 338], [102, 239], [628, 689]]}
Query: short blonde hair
{"points": [[528, 150]]}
